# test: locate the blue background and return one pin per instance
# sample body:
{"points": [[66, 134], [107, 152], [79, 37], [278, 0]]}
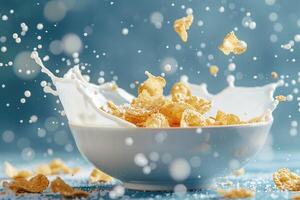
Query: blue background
{"points": [[126, 57]]}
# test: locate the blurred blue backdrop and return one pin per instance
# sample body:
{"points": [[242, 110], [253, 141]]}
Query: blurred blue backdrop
{"points": [[120, 39]]}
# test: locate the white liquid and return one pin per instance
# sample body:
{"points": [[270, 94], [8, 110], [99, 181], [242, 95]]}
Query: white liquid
{"points": [[82, 100]]}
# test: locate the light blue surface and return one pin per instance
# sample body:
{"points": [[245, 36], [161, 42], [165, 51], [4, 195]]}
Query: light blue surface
{"points": [[258, 177]]}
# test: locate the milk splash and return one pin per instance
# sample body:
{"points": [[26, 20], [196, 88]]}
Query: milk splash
{"points": [[82, 100]]}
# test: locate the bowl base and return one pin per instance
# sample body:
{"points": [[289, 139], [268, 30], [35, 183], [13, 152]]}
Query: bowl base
{"points": [[149, 186]]}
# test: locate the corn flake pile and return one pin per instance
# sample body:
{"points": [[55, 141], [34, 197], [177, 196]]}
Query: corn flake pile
{"points": [[151, 109], [286, 180]]}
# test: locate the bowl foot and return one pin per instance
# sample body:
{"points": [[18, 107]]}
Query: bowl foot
{"points": [[150, 186]]}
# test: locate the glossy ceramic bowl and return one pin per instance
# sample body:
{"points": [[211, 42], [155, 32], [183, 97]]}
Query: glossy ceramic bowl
{"points": [[146, 159]]}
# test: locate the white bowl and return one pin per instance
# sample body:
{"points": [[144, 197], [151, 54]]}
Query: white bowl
{"points": [[210, 151]]}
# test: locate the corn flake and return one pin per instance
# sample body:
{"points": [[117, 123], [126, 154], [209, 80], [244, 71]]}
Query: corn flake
{"points": [[182, 25], [36, 184], [227, 119], [240, 193], [157, 120], [154, 85], [99, 176], [274, 75], [284, 179], [231, 44], [281, 98], [192, 118], [239, 172], [59, 186], [213, 70], [200, 104], [173, 112], [14, 173], [137, 116], [180, 92]]}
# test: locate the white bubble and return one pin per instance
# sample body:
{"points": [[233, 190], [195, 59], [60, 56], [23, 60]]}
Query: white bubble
{"points": [[140, 160], [40, 26], [294, 124], [18, 40], [156, 18], [169, 65], [293, 131], [55, 10], [231, 67], [200, 23], [8, 136], [15, 35], [71, 43], [129, 141], [161, 137], [27, 93], [25, 67], [273, 16], [270, 2], [41, 132], [180, 190], [147, 170], [4, 17], [125, 31], [179, 169], [189, 11], [252, 25], [56, 47], [3, 49], [28, 154], [154, 156], [33, 119], [23, 100]]}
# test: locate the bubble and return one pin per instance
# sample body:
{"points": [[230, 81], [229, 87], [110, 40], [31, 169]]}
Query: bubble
{"points": [[125, 31], [18, 40], [69, 147], [71, 43], [15, 35], [273, 16], [23, 100], [169, 65], [4, 17], [278, 27], [51, 124], [195, 161], [61, 137], [179, 169], [147, 170], [270, 2], [27, 93], [161, 137], [293, 132], [234, 164], [200, 23], [180, 190], [56, 47], [33, 119], [154, 156], [199, 130], [8, 136], [156, 18], [140, 160], [55, 10], [189, 11], [3, 39], [40, 26], [129, 141], [28, 154], [25, 67], [23, 143], [3, 49], [41, 132], [231, 67], [294, 124], [117, 192]]}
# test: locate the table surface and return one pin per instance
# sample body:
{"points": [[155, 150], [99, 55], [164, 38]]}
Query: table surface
{"points": [[258, 176]]}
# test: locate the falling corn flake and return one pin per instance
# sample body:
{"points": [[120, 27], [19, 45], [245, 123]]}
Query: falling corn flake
{"points": [[239, 193], [99, 176], [231, 44], [59, 186], [14, 173], [284, 180], [281, 98], [182, 25], [274, 75], [213, 70], [36, 184]]}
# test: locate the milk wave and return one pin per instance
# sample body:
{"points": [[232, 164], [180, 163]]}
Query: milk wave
{"points": [[82, 100]]}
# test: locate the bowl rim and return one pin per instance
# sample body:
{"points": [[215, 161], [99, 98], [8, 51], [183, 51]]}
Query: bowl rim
{"points": [[253, 125]]}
